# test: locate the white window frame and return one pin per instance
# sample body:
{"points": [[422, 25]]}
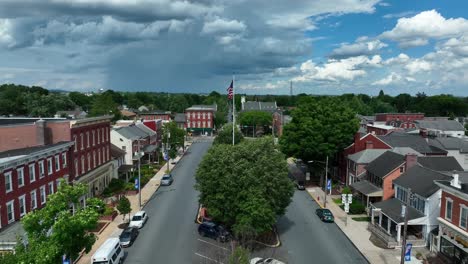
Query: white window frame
{"points": [[64, 160], [94, 159], [33, 198], [20, 175], [87, 139], [77, 168], [41, 169], [204, 124], [76, 143], [50, 167], [32, 172], [99, 156], [12, 204], [82, 165], [209, 123], [57, 162], [107, 134], [50, 186], [89, 161], [22, 202], [463, 207], [103, 137], [42, 194], [448, 200], [10, 180], [94, 137], [82, 141]]}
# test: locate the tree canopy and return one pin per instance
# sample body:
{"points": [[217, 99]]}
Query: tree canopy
{"points": [[225, 135], [245, 186], [318, 128], [255, 118], [176, 138]]}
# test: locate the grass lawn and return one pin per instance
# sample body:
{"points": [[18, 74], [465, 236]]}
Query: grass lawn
{"points": [[337, 200], [362, 219]]}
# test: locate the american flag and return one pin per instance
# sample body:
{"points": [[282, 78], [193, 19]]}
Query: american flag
{"points": [[230, 90]]}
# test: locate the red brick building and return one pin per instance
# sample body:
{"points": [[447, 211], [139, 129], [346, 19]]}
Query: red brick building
{"points": [[200, 119], [453, 220], [28, 176], [401, 120], [155, 115]]}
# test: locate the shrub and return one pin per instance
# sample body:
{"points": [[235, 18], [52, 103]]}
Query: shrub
{"points": [[356, 208], [115, 186], [109, 210], [346, 190]]}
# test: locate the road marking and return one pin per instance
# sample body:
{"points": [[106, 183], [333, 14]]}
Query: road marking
{"points": [[205, 257], [213, 244]]}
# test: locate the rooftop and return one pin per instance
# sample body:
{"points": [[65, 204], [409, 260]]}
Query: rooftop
{"points": [[421, 180], [443, 125], [385, 163], [392, 209], [440, 163], [366, 156], [416, 142]]}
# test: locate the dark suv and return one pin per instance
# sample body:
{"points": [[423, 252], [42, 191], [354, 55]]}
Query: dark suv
{"points": [[210, 229]]}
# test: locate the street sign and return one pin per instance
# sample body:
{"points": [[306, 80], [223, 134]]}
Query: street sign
{"points": [[307, 176], [329, 184], [346, 207], [65, 260], [408, 252], [166, 156], [137, 184], [343, 198], [350, 198]]}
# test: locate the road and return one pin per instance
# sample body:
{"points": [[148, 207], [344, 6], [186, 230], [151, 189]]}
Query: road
{"points": [[170, 234]]}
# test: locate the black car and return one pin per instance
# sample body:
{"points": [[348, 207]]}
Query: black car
{"points": [[300, 185], [325, 215], [128, 236], [210, 229]]}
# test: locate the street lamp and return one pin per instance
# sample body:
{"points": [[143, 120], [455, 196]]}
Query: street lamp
{"points": [[326, 178], [139, 174], [405, 214]]}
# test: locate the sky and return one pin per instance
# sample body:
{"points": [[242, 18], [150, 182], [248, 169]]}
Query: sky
{"points": [[198, 46]]}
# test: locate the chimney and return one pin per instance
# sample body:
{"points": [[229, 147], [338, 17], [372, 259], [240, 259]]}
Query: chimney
{"points": [[455, 181], [357, 137], [40, 132], [410, 160], [369, 145], [423, 133]]}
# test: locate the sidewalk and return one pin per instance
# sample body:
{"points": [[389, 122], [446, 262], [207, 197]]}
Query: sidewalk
{"points": [[358, 234], [112, 230]]}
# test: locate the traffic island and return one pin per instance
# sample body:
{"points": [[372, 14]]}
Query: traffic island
{"points": [[269, 239]]}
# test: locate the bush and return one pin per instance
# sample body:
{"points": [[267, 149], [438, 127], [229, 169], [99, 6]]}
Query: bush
{"points": [[346, 190], [109, 210], [115, 186], [357, 208]]}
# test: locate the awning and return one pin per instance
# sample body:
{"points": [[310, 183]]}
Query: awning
{"points": [[367, 188], [150, 148], [392, 209], [125, 168]]}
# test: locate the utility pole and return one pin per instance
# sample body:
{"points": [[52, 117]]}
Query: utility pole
{"points": [[167, 148], [326, 183], [403, 244], [139, 176]]}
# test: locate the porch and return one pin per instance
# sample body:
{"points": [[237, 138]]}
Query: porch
{"points": [[367, 192]]}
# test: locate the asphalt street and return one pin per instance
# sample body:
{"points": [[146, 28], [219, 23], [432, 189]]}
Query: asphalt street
{"points": [[170, 235]]}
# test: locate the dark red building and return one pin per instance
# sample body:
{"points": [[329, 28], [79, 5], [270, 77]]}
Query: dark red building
{"points": [[155, 115], [401, 120], [200, 118]]}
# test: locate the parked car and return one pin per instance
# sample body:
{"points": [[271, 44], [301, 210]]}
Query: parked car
{"points": [[212, 230], [167, 180], [128, 236], [325, 215], [110, 252], [139, 219], [300, 185], [265, 261]]}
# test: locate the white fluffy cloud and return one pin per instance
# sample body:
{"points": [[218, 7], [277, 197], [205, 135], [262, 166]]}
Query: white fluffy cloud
{"points": [[417, 30], [362, 46], [418, 65], [393, 79], [6, 38], [220, 25]]}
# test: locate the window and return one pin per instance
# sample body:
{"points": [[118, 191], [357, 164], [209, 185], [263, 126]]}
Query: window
{"points": [[89, 161], [448, 209], [49, 166], [32, 172], [463, 216], [98, 137], [204, 115], [124, 148], [188, 123], [43, 194], [87, 139], [64, 160], [204, 124], [10, 212], [41, 169], [81, 140], [51, 187], [103, 137], [209, 116], [8, 183], [401, 194], [76, 167], [99, 157], [199, 124], [209, 123], [20, 173], [198, 115], [57, 162], [82, 164], [33, 200], [193, 115], [108, 153], [402, 169], [193, 124], [94, 139], [107, 134], [76, 143], [22, 205]]}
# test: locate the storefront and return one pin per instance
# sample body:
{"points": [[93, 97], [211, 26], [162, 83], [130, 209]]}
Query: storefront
{"points": [[453, 246]]}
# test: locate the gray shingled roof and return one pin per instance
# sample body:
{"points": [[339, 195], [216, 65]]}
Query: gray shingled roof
{"points": [[405, 150], [421, 180], [450, 143], [385, 163], [367, 188], [366, 156], [440, 163], [116, 151], [416, 142], [128, 132], [444, 125], [146, 129], [180, 118], [392, 209], [29, 150], [260, 106]]}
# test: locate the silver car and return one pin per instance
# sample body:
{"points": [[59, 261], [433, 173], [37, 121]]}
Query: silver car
{"points": [[167, 180]]}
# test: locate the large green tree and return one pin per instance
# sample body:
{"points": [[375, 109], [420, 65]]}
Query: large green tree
{"points": [[176, 138], [245, 186], [104, 104], [318, 128], [62, 227], [225, 135]]}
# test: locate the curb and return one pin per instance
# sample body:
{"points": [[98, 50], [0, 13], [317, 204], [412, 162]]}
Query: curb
{"points": [[318, 203], [278, 244]]}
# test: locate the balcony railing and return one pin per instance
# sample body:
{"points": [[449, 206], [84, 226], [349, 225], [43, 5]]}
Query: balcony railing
{"points": [[391, 241]]}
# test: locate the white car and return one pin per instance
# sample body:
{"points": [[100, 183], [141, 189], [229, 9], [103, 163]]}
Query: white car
{"points": [[265, 261], [138, 219]]}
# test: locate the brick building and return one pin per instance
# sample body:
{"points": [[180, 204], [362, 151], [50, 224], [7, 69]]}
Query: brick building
{"points": [[453, 219], [200, 119], [155, 115], [401, 120], [28, 176], [90, 161]]}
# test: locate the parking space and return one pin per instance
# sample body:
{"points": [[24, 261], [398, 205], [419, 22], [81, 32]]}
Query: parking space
{"points": [[210, 251]]}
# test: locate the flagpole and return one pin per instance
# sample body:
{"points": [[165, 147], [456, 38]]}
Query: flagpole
{"points": [[233, 109]]}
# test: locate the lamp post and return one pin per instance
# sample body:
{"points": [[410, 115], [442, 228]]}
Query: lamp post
{"points": [[326, 178], [403, 243], [167, 149], [139, 175]]}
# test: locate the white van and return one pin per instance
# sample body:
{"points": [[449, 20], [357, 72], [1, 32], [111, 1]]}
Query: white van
{"points": [[110, 252]]}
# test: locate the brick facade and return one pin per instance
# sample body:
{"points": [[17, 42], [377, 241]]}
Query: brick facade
{"points": [[410, 117], [457, 203], [387, 185], [155, 116], [200, 119]]}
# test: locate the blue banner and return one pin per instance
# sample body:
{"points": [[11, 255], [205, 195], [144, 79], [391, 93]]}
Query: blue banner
{"points": [[65, 260], [137, 184], [329, 184], [408, 252], [166, 156]]}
